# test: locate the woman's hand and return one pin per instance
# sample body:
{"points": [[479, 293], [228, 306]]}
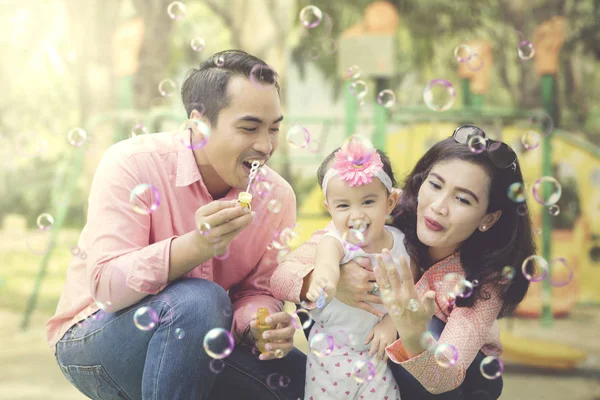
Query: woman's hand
{"points": [[409, 312], [356, 285], [381, 336]]}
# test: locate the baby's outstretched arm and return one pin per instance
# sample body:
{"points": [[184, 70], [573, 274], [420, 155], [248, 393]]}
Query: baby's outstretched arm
{"points": [[327, 269]]}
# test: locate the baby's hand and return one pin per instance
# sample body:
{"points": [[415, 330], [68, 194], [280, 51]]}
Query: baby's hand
{"points": [[381, 336], [321, 285]]}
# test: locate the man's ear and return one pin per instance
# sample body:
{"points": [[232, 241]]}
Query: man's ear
{"points": [[195, 114], [393, 198]]}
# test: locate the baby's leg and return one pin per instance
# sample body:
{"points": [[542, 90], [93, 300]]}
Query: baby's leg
{"points": [[382, 387]]}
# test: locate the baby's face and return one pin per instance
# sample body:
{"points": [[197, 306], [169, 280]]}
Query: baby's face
{"points": [[363, 207]]}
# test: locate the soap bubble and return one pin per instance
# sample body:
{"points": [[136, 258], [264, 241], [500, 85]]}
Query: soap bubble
{"points": [[446, 355], [353, 72], [439, 95], [462, 53], [144, 199], [198, 44], [298, 137], [145, 318], [359, 89], [561, 273], [525, 50], [77, 137], [301, 319], [530, 140], [45, 221], [491, 367], [167, 88], [535, 268], [311, 16], [516, 192], [554, 210], [176, 10], [321, 344], [386, 98], [179, 333], [218, 343], [363, 371], [547, 190]]}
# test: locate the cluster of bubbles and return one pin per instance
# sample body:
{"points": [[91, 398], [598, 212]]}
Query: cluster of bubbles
{"points": [[318, 25], [282, 241]]}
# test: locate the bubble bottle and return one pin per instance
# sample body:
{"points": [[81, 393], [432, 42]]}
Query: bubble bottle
{"points": [[262, 326]]}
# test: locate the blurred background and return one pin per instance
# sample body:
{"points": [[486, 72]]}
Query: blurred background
{"points": [[80, 75]]}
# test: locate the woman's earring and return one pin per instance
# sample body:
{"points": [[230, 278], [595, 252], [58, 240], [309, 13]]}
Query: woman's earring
{"points": [[483, 228]]}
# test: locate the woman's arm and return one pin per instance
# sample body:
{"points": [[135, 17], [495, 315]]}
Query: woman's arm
{"points": [[466, 332], [292, 277], [326, 274]]}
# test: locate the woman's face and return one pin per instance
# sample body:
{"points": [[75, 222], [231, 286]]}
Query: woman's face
{"points": [[452, 204]]}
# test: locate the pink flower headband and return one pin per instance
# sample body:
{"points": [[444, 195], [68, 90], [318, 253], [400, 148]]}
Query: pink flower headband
{"points": [[349, 166]]}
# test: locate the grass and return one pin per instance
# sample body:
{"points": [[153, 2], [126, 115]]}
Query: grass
{"points": [[20, 267]]}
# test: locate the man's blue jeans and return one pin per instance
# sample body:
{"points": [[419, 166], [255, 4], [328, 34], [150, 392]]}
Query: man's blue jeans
{"points": [[110, 358]]}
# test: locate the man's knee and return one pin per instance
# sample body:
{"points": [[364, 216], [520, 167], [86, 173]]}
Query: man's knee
{"points": [[200, 297]]}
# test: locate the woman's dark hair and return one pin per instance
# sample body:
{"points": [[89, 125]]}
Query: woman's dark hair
{"points": [[484, 254], [206, 87], [325, 165]]}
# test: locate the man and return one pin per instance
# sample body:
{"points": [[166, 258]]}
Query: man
{"points": [[161, 256]]}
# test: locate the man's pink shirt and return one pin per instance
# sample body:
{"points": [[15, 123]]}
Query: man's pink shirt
{"points": [[128, 252]]}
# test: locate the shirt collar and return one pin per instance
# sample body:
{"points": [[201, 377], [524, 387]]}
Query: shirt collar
{"points": [[187, 167]]}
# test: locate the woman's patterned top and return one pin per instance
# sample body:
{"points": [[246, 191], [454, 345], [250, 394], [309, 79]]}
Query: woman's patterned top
{"points": [[468, 329]]}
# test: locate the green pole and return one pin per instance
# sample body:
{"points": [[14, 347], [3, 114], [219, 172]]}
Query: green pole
{"points": [[381, 116], [547, 92], [351, 110], [477, 101], [466, 93]]}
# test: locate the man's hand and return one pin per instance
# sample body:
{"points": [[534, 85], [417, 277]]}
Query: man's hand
{"points": [[381, 336], [356, 286], [218, 222], [280, 338]]}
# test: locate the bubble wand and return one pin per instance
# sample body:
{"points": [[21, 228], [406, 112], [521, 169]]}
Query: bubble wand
{"points": [[245, 198]]}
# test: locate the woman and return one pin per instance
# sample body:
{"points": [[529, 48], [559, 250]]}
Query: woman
{"points": [[457, 218]]}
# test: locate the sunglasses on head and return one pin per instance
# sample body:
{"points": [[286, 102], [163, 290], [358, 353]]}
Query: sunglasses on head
{"points": [[499, 153]]}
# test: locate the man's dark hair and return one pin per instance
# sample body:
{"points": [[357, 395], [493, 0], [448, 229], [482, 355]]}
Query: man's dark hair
{"points": [[205, 88]]}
